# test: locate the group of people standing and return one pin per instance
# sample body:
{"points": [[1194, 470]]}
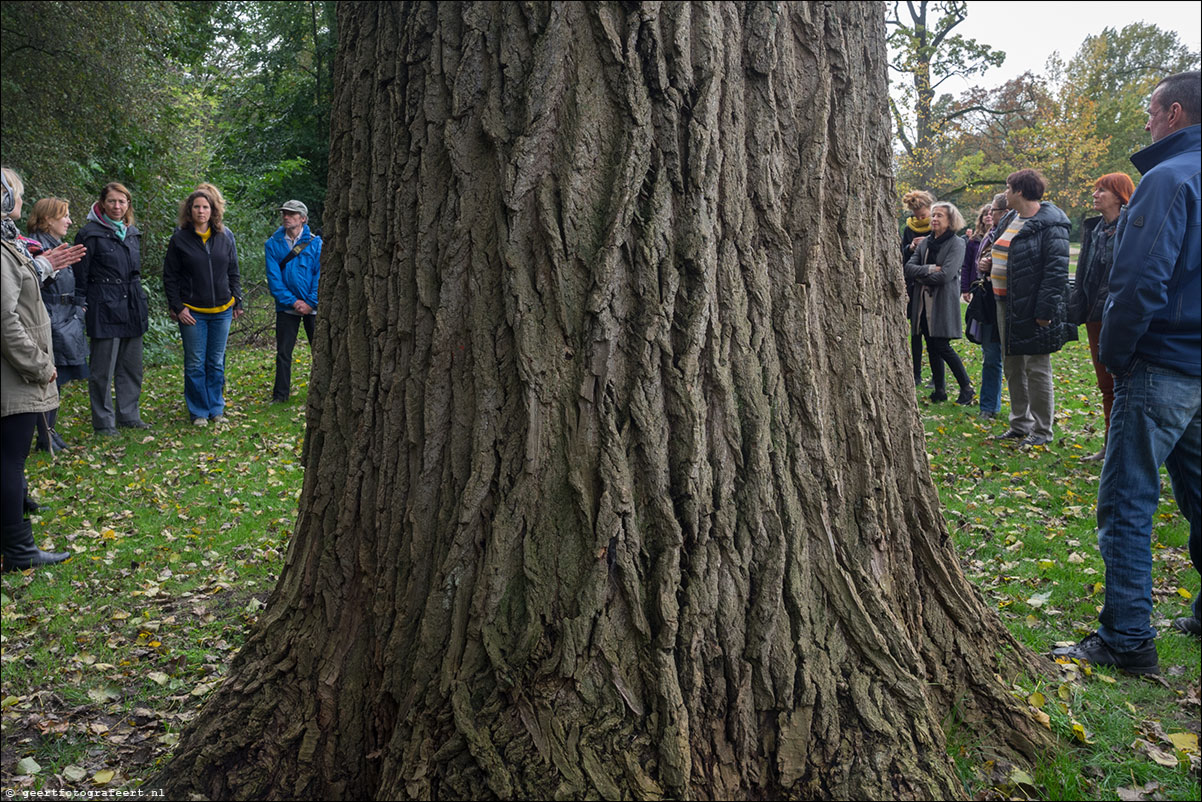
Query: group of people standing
{"points": [[1138, 292], [80, 312], [1017, 259]]}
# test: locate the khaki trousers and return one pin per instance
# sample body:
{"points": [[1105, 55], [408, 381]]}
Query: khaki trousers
{"points": [[1032, 397]]}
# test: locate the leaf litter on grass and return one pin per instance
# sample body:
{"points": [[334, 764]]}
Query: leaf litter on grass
{"points": [[177, 538]]}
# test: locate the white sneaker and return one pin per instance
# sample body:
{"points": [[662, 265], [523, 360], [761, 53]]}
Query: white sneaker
{"points": [[200, 421], [218, 419]]}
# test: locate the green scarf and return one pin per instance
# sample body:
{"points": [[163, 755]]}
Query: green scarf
{"points": [[118, 226], [919, 226]]}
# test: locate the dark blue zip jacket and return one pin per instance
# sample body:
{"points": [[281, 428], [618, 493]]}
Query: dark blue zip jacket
{"points": [[1154, 311]]}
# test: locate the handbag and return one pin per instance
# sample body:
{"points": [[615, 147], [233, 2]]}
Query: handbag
{"points": [[981, 311]]}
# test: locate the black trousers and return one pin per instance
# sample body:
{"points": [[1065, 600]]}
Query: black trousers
{"points": [[287, 327], [941, 352], [16, 432]]}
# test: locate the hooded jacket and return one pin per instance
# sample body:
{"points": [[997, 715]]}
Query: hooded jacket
{"points": [[1154, 311], [109, 280], [1037, 284]]}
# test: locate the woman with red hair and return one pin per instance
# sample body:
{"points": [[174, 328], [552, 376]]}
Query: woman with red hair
{"points": [[1091, 286]]}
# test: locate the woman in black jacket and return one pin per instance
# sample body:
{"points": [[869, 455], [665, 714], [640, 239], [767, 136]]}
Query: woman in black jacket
{"points": [[1091, 288], [117, 312], [200, 278], [48, 224]]}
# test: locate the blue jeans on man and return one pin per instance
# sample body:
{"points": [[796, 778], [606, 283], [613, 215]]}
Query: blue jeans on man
{"points": [[204, 363], [1155, 420], [991, 371]]}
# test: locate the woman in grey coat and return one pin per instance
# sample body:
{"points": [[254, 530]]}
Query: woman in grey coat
{"points": [[48, 224], [26, 378], [935, 305]]}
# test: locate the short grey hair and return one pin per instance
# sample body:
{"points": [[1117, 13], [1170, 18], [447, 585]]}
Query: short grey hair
{"points": [[954, 218], [1185, 89]]}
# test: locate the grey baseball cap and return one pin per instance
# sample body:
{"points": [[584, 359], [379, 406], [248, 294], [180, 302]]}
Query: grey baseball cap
{"points": [[295, 206]]}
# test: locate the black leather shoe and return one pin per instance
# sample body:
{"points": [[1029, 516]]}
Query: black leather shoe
{"points": [[136, 424], [939, 395], [966, 397], [19, 551], [1189, 625], [1093, 649]]}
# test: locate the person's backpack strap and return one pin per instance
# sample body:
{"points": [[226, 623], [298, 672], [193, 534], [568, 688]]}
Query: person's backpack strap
{"points": [[295, 252]]}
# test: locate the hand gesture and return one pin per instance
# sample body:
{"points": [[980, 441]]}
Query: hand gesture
{"points": [[186, 317], [65, 255]]}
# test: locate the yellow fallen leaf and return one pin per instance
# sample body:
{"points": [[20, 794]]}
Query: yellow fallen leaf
{"points": [[103, 777], [1105, 678], [1042, 717], [1185, 741], [1080, 733], [1185, 594], [1037, 699], [1064, 692]]}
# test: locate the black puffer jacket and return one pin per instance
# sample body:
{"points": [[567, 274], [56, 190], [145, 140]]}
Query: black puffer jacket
{"points": [[109, 280], [66, 311], [1037, 284]]}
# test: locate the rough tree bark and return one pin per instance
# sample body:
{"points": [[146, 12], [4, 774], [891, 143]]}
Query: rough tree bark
{"points": [[614, 479]]}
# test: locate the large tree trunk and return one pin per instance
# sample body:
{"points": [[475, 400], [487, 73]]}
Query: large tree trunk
{"points": [[614, 480]]}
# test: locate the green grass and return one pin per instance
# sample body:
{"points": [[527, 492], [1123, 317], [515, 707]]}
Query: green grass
{"points": [[179, 533]]}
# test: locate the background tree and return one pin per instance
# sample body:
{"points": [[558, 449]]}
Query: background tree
{"points": [[1117, 71], [924, 52], [613, 486]]}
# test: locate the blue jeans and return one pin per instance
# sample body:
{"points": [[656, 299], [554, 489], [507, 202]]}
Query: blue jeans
{"points": [[1155, 420], [991, 371], [204, 362]]}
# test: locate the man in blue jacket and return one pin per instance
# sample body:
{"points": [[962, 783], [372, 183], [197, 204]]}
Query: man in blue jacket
{"points": [[293, 268], [1152, 343]]}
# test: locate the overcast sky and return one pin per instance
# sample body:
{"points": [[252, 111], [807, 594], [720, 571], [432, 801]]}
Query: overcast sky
{"points": [[1029, 32]]}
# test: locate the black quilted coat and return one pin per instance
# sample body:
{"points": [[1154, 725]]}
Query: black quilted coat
{"points": [[1037, 285]]}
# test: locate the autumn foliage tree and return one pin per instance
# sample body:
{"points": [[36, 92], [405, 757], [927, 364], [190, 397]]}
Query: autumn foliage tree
{"points": [[614, 481]]}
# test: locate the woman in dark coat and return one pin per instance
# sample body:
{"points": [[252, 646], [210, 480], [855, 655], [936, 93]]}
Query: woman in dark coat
{"points": [[48, 224], [935, 304], [1029, 272], [109, 279], [1091, 287]]}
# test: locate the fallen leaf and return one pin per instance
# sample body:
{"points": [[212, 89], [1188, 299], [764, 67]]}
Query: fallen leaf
{"points": [[1185, 594], [1080, 733], [74, 774], [28, 765], [158, 677], [1037, 699], [1185, 741], [103, 777]]}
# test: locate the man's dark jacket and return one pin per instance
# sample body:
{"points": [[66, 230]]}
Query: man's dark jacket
{"points": [[1154, 311]]}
